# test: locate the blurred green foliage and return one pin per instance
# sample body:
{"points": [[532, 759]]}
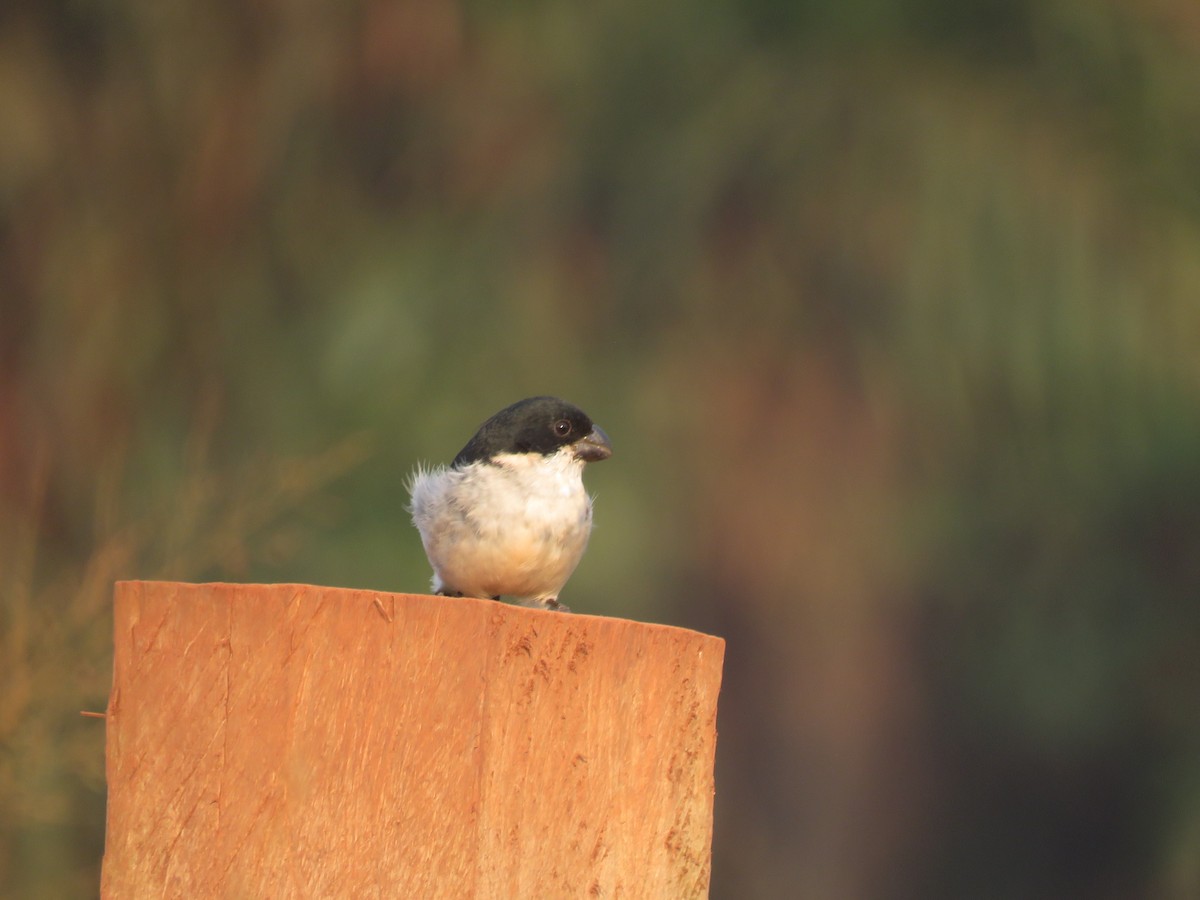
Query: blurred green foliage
{"points": [[890, 309]]}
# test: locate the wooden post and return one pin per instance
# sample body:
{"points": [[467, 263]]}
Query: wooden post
{"points": [[296, 741]]}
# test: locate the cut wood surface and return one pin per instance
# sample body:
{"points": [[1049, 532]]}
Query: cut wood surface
{"points": [[297, 741]]}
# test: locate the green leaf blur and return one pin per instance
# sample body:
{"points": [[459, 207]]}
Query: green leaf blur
{"points": [[891, 310]]}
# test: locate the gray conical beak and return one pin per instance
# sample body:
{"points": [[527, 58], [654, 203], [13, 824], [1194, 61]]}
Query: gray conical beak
{"points": [[594, 446]]}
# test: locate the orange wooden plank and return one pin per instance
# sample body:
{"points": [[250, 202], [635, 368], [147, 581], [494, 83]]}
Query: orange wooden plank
{"points": [[299, 741]]}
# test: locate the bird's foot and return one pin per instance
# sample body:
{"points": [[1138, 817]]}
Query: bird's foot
{"points": [[552, 603], [445, 593]]}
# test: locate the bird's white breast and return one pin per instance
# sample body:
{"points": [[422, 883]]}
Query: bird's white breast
{"points": [[516, 526]]}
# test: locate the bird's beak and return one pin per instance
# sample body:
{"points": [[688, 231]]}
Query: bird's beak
{"points": [[593, 446]]}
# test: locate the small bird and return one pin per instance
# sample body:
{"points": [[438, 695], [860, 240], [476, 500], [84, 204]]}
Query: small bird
{"points": [[510, 516]]}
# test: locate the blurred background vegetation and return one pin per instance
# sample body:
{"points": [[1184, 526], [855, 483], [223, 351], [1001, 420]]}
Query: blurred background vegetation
{"points": [[891, 309]]}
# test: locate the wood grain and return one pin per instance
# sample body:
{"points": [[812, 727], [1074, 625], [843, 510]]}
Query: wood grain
{"points": [[298, 741]]}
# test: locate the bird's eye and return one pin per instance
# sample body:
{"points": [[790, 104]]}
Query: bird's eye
{"points": [[562, 427]]}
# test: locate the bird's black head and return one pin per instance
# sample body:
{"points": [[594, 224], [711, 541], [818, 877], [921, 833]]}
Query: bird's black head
{"points": [[537, 425]]}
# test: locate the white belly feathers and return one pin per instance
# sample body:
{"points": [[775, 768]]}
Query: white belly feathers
{"points": [[515, 527]]}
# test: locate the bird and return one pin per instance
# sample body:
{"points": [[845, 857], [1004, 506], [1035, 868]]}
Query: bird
{"points": [[510, 517]]}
